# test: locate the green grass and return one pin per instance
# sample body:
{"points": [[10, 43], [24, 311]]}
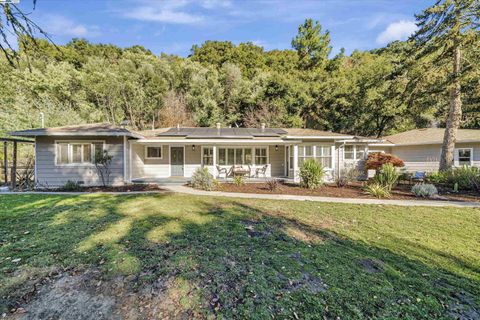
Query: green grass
{"points": [[240, 258]]}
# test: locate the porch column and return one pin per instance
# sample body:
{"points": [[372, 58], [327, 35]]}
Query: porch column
{"points": [[5, 161], [215, 173], [296, 176]]}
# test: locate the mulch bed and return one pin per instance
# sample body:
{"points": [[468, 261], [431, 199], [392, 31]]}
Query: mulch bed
{"points": [[126, 188], [401, 192]]}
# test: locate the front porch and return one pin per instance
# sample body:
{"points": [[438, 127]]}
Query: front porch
{"points": [[164, 162]]}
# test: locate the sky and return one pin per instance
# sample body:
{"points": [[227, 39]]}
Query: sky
{"points": [[172, 27]]}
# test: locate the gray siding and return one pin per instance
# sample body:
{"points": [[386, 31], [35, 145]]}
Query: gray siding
{"points": [[149, 168], [427, 157], [51, 175]]}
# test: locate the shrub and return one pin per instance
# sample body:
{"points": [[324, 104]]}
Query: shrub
{"points": [[466, 178], [202, 179], [377, 190], [71, 186], [438, 177], [424, 190], [102, 162], [387, 176], [376, 160], [311, 174], [238, 180], [347, 175], [272, 184]]}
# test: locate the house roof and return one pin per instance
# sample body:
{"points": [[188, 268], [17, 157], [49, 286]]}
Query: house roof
{"points": [[106, 129], [431, 136], [299, 132], [93, 129], [223, 133]]}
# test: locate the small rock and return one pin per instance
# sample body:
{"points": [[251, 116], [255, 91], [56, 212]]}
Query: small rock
{"points": [[16, 260]]}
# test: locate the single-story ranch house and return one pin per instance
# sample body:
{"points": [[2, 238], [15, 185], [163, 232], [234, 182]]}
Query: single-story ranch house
{"points": [[66, 153]]}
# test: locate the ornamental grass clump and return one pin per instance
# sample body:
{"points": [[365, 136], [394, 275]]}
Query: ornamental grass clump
{"points": [[387, 176], [202, 179], [311, 174], [238, 181], [377, 190]]}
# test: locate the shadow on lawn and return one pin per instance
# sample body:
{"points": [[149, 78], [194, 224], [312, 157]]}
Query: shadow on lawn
{"points": [[180, 256]]}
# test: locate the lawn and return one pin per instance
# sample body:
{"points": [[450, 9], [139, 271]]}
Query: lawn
{"points": [[179, 256]]}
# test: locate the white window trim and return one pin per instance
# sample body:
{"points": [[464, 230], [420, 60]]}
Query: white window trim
{"points": [[314, 145], [213, 155], [154, 158], [235, 155], [365, 152], [70, 150], [456, 156]]}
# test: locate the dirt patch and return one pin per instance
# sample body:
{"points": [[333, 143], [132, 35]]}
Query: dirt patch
{"points": [[401, 192], [372, 265], [87, 296], [125, 188]]}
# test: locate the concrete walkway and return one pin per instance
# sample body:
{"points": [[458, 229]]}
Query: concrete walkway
{"points": [[407, 203], [188, 190]]}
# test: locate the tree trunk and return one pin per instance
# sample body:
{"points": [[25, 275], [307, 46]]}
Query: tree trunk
{"points": [[454, 116]]}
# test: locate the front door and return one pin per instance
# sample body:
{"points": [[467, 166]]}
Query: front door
{"points": [[176, 161]]}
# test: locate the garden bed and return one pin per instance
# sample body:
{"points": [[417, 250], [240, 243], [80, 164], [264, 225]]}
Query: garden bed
{"points": [[125, 188], [401, 192]]}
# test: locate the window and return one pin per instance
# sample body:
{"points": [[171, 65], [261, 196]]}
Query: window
{"points": [[354, 152], [154, 153], [234, 156], [207, 156], [261, 156], [222, 156], [323, 155], [304, 153], [463, 157], [77, 152]]}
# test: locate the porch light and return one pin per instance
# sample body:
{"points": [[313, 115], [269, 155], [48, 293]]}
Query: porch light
{"points": [[276, 147], [193, 147]]}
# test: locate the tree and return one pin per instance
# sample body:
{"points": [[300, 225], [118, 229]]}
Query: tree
{"points": [[445, 29], [13, 22], [313, 46], [103, 162]]}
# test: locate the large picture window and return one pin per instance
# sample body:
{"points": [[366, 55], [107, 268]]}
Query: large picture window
{"points": [[234, 156], [77, 152], [354, 152]]}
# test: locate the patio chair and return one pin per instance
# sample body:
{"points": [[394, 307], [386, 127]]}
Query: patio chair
{"points": [[221, 170], [418, 176], [261, 171]]}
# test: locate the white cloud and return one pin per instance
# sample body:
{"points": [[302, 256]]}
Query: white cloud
{"points": [[62, 26], [213, 4], [399, 30], [167, 12]]}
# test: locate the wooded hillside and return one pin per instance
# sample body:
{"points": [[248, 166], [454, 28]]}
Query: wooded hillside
{"points": [[369, 93]]}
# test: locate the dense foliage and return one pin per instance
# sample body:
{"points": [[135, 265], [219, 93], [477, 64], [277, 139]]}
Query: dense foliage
{"points": [[368, 93]]}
